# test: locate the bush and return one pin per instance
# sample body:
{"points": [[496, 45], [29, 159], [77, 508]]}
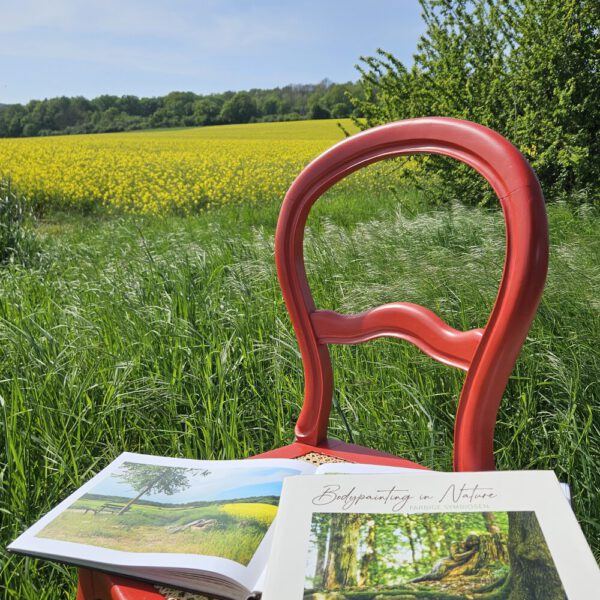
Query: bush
{"points": [[525, 68]]}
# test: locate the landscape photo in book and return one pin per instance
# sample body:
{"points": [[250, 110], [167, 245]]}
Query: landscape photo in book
{"points": [[152, 508], [438, 556]]}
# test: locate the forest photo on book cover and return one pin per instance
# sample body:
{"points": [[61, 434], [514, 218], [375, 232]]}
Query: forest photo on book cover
{"points": [[438, 556], [150, 508]]}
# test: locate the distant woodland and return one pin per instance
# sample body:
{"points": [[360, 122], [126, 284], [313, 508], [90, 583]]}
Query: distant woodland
{"points": [[107, 113]]}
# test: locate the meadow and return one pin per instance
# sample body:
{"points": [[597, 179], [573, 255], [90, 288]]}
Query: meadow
{"points": [[235, 530], [169, 336]]}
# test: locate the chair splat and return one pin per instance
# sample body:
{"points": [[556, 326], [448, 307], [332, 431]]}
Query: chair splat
{"points": [[402, 320]]}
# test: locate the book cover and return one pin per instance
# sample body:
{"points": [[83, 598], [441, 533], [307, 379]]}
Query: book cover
{"points": [[442, 536]]}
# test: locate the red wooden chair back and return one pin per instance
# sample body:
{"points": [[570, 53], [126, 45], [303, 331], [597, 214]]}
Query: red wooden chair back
{"points": [[488, 355]]}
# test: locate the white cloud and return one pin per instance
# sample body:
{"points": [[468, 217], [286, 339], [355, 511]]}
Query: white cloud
{"points": [[178, 38], [20, 16], [193, 24]]}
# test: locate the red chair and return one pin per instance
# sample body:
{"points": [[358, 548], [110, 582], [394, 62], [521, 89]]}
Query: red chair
{"points": [[487, 355]]}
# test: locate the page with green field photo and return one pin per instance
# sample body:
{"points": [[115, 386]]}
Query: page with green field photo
{"points": [[441, 536], [174, 520]]}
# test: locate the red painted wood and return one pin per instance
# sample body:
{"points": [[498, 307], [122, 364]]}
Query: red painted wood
{"points": [[488, 355], [104, 586], [403, 320], [523, 278], [339, 449], [85, 585]]}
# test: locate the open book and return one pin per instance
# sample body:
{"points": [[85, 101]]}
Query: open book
{"points": [[198, 525], [438, 536]]}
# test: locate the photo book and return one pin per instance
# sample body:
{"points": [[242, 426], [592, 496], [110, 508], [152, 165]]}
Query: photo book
{"points": [[441, 536], [198, 525]]}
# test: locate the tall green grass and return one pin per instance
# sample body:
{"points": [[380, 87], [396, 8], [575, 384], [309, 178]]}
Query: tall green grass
{"points": [[169, 336], [17, 240]]}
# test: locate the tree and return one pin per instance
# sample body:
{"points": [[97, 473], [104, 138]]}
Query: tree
{"points": [[368, 562], [526, 68], [176, 110], [553, 99], [104, 102], [318, 111], [320, 532], [153, 479], [271, 105], [206, 110], [239, 109], [532, 571], [337, 100], [341, 570], [130, 105]]}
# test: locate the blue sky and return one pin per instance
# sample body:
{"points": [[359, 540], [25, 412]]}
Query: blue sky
{"points": [[221, 484], [152, 47]]}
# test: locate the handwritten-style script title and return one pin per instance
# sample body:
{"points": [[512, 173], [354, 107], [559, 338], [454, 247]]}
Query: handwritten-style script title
{"points": [[397, 499]]}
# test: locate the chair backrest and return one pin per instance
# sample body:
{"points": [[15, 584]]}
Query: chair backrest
{"points": [[487, 355]]}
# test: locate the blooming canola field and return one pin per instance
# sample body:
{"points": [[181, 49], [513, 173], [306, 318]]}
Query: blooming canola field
{"points": [[168, 170]]}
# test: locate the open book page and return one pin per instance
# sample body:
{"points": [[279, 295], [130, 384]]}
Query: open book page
{"points": [[446, 535], [143, 514]]}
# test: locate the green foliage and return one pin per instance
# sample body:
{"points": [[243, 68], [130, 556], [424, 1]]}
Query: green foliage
{"points": [[18, 242], [555, 80], [373, 552], [318, 111], [206, 110], [240, 108], [153, 479], [526, 68]]}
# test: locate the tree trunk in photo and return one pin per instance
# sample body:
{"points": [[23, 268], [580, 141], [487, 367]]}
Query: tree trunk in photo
{"points": [[532, 572], [322, 535], [434, 536], [145, 490], [493, 548], [490, 522], [432, 541], [369, 558], [342, 562], [133, 500], [411, 541]]}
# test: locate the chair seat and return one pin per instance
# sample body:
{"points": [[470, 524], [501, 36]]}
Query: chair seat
{"points": [[338, 450], [106, 586]]}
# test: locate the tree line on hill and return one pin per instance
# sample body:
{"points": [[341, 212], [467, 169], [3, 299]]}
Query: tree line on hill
{"points": [[178, 109]]}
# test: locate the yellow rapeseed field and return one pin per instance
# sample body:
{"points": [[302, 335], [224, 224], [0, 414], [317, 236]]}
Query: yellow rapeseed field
{"points": [[169, 170], [256, 511]]}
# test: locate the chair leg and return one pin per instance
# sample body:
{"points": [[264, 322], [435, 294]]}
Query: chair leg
{"points": [[95, 585], [85, 585]]}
